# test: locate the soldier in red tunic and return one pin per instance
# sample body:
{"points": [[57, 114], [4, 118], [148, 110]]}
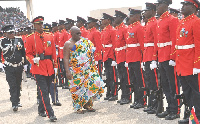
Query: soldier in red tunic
{"points": [[120, 51], [150, 37], [41, 53], [94, 35], [108, 38], [81, 24], [134, 44], [164, 50], [188, 54]]}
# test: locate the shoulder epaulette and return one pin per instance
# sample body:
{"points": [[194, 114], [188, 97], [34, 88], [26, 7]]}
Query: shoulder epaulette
{"points": [[30, 35]]}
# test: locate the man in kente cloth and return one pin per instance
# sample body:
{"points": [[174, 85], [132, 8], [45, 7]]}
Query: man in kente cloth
{"points": [[84, 81]]}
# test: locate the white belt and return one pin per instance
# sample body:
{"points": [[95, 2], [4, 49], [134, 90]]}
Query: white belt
{"points": [[133, 45], [13, 65], [61, 48], [109, 45], [164, 44], [148, 44], [120, 48], [57, 45], [184, 47]]}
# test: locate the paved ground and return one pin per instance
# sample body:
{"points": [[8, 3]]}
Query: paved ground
{"points": [[107, 112]]}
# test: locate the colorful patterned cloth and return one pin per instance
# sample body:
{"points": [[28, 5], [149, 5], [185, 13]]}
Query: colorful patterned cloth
{"points": [[86, 83]]}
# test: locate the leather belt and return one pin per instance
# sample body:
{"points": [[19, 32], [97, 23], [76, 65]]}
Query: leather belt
{"points": [[109, 45], [120, 48], [164, 44], [133, 45], [13, 65], [43, 57], [148, 44], [184, 47]]}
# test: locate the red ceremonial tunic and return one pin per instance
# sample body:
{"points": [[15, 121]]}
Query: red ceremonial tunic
{"points": [[84, 32], [134, 42], [95, 37], [108, 38], [64, 36], [166, 38], [188, 45], [120, 44], [41, 43]]}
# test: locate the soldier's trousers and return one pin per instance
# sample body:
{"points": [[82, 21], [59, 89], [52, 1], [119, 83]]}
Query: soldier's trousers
{"points": [[109, 77], [190, 87], [135, 76], [150, 83], [54, 92], [168, 84], [14, 79], [62, 77], [123, 76], [43, 83]]}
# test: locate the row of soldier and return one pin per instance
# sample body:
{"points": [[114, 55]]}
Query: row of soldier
{"points": [[131, 53]]}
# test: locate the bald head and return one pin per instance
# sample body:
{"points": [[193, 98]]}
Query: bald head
{"points": [[76, 34]]}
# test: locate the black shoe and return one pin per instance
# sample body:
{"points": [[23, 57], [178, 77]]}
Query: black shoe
{"points": [[147, 109], [106, 98], [57, 103], [15, 108], [152, 111], [112, 98], [53, 118], [133, 105], [118, 101], [19, 105], [163, 115], [184, 121], [124, 101], [43, 114], [171, 116], [139, 105], [28, 75]]}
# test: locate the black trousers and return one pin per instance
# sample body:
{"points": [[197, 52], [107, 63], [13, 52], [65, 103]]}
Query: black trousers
{"points": [[14, 79], [150, 83], [135, 76], [123, 76], [62, 74], [190, 87], [168, 85], [54, 92], [43, 83], [109, 77]]}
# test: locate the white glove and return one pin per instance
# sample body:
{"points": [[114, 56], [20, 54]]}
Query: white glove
{"points": [[60, 59], [153, 65], [142, 65], [113, 63], [36, 60], [172, 63], [196, 71], [2, 65], [55, 70], [96, 62], [126, 64], [25, 67]]}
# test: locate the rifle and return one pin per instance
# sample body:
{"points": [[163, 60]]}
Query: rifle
{"points": [[181, 97], [159, 99]]}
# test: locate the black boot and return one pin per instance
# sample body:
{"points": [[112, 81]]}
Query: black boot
{"points": [[163, 115]]}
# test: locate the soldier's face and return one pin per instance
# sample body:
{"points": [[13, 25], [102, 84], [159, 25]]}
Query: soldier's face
{"points": [[159, 8], [187, 8], [79, 24], [10, 35], [148, 14], [39, 27]]}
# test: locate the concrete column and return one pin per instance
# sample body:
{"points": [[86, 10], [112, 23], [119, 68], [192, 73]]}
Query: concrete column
{"points": [[29, 7]]}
